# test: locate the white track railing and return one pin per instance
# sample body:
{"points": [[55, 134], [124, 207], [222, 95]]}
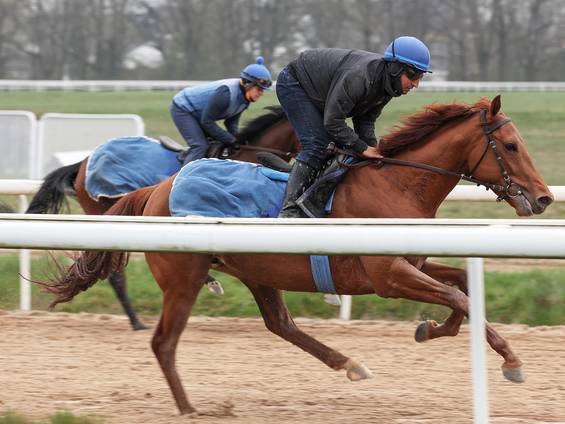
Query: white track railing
{"points": [[28, 187], [428, 237], [431, 237], [152, 85]]}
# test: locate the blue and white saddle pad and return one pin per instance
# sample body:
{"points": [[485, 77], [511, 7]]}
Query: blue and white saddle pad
{"points": [[228, 188], [125, 164]]}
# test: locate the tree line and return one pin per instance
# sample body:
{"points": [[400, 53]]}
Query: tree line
{"points": [[497, 40]]}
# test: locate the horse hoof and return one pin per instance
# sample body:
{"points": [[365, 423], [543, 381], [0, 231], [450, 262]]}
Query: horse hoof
{"points": [[515, 375], [357, 371], [139, 326], [215, 287], [422, 334]]}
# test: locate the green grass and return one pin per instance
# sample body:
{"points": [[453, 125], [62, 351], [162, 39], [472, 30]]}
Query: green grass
{"points": [[538, 116], [534, 297], [58, 418]]}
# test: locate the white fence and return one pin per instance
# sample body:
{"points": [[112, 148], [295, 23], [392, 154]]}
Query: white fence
{"points": [[27, 187], [32, 149], [18, 144], [66, 138], [94, 85], [430, 237]]}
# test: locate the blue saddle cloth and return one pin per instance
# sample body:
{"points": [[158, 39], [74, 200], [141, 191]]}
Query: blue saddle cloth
{"points": [[125, 164], [227, 188]]}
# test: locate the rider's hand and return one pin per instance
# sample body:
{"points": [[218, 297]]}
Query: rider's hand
{"points": [[372, 153]]}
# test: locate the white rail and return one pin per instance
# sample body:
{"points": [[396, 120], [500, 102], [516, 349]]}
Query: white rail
{"points": [[152, 85], [430, 237]]}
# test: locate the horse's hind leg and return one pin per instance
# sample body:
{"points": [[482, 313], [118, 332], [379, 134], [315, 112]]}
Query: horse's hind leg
{"points": [[118, 281], [181, 277], [278, 320]]}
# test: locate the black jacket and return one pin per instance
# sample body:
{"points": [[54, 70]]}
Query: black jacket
{"points": [[348, 83]]}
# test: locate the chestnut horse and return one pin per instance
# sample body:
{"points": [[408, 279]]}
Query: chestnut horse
{"points": [[443, 143], [270, 132]]}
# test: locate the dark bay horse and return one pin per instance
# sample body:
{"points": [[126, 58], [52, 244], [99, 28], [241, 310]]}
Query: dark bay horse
{"points": [[457, 138], [270, 132]]}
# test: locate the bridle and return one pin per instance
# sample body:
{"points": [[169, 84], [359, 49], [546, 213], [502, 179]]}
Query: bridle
{"points": [[506, 190], [503, 192]]}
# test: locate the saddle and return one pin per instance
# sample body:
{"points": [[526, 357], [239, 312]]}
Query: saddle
{"points": [[217, 149], [170, 144]]}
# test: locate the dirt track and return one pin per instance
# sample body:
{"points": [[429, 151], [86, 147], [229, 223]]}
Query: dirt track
{"points": [[236, 372]]}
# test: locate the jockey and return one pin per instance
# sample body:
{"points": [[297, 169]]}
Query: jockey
{"points": [[323, 87], [195, 110]]}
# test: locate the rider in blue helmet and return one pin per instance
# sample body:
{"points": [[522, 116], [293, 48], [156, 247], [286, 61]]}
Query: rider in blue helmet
{"points": [[321, 88], [195, 110]]}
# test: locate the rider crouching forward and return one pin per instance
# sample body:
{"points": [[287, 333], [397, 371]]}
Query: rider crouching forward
{"points": [[323, 87], [195, 110]]}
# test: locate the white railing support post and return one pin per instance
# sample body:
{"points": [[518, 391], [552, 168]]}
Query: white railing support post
{"points": [[345, 308], [25, 267], [478, 348]]}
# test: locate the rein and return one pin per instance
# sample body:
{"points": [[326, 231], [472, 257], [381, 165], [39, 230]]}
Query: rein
{"points": [[506, 191]]}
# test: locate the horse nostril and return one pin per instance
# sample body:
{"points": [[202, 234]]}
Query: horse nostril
{"points": [[545, 200]]}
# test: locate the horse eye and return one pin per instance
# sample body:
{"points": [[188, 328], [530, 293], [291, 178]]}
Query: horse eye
{"points": [[511, 147]]}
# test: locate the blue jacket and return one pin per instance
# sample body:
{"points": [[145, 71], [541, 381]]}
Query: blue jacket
{"points": [[218, 100]]}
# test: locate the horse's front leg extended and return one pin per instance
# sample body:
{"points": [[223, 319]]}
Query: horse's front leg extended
{"points": [[406, 281], [429, 329]]}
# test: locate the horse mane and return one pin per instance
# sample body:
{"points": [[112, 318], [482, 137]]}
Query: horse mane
{"points": [[421, 125], [255, 127]]}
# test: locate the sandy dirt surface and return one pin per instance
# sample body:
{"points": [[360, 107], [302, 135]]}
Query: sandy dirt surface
{"points": [[237, 372]]}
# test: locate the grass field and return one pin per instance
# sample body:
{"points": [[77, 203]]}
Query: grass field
{"points": [[532, 297], [538, 116]]}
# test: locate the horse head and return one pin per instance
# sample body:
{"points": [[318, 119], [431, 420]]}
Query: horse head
{"points": [[499, 157]]}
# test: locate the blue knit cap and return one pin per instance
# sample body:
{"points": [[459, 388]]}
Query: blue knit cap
{"points": [[257, 74]]}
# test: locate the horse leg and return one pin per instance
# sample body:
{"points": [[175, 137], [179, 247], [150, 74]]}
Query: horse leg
{"points": [[408, 282], [430, 329], [118, 281], [278, 320], [181, 279]]}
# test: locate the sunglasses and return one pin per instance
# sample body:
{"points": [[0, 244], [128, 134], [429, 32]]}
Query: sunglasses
{"points": [[263, 83], [412, 73]]}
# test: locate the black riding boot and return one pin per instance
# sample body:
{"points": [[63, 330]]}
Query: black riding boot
{"points": [[313, 201], [300, 178]]}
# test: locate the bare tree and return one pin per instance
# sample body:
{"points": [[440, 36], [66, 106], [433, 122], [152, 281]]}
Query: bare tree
{"points": [[326, 21], [10, 27], [205, 39]]}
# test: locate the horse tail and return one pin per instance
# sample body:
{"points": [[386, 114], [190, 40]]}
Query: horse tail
{"points": [[91, 266], [55, 186]]}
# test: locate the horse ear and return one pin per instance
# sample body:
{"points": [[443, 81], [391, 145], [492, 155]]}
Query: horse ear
{"points": [[495, 105]]}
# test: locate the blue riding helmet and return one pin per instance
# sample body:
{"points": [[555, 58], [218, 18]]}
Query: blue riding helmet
{"points": [[257, 74], [410, 51]]}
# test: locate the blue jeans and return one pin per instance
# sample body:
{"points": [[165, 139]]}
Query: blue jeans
{"points": [[305, 117], [192, 133]]}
